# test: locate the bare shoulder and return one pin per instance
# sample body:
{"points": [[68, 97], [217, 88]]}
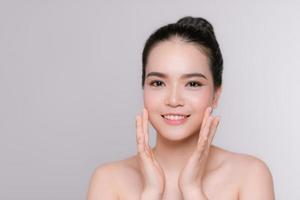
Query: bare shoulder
{"points": [[102, 183], [252, 174], [105, 181], [242, 164]]}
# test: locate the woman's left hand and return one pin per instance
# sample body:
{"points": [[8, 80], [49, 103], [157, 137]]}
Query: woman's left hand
{"points": [[190, 177]]}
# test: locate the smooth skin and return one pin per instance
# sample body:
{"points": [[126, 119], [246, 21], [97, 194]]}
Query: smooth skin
{"points": [[183, 165], [190, 178]]}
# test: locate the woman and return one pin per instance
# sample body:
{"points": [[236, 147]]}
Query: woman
{"points": [[182, 83]]}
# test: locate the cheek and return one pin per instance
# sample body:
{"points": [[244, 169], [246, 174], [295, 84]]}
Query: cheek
{"points": [[199, 101], [151, 100]]}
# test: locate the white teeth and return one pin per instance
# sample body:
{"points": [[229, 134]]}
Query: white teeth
{"points": [[174, 117]]}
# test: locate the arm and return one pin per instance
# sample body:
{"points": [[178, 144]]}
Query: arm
{"points": [[101, 185], [258, 182]]}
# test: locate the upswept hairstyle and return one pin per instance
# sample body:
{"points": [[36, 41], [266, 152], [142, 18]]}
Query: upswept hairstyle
{"points": [[197, 31]]}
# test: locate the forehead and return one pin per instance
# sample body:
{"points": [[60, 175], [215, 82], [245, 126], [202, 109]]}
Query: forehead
{"points": [[177, 57]]}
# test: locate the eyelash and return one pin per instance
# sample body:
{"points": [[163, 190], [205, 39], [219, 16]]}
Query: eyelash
{"points": [[156, 81]]}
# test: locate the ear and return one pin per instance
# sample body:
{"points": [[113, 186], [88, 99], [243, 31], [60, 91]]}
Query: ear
{"points": [[217, 94]]}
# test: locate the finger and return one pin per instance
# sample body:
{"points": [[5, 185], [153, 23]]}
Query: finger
{"points": [[146, 147], [208, 126], [203, 138], [207, 113], [154, 160], [202, 146], [142, 150], [145, 125], [211, 134], [213, 129], [139, 135], [146, 130]]}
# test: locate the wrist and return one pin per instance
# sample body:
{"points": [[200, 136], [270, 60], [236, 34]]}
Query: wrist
{"points": [[194, 194], [151, 195]]}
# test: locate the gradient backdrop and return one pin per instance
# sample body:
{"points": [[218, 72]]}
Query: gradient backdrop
{"points": [[70, 87]]}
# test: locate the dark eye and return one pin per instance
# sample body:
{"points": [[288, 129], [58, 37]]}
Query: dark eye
{"points": [[156, 83], [195, 84]]}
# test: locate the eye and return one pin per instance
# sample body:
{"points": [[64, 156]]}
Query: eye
{"points": [[156, 83], [195, 84]]}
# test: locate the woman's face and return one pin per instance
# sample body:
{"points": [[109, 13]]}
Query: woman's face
{"points": [[169, 89]]}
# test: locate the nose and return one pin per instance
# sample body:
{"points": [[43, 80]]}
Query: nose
{"points": [[174, 98]]}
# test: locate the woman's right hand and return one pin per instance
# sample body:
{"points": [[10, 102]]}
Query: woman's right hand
{"points": [[153, 175]]}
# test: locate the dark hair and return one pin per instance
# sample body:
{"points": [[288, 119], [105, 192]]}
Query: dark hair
{"points": [[194, 30]]}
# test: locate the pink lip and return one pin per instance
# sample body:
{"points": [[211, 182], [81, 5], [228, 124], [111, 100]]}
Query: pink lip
{"points": [[175, 122]]}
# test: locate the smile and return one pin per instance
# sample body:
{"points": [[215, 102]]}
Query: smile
{"points": [[175, 119]]}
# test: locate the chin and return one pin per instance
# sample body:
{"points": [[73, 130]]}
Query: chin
{"points": [[173, 137], [173, 133]]}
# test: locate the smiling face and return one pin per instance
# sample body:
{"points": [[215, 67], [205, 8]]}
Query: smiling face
{"points": [[169, 89]]}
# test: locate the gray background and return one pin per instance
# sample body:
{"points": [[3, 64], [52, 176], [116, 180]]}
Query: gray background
{"points": [[70, 75]]}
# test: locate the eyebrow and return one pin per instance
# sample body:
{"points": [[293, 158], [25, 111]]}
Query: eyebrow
{"points": [[162, 75]]}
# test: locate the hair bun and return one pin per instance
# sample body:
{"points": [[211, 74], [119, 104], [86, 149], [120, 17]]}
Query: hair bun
{"points": [[198, 23]]}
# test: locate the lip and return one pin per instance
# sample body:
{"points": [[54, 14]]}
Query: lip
{"points": [[176, 114], [175, 122]]}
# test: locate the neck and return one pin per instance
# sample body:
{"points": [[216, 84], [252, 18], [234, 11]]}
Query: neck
{"points": [[173, 155]]}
